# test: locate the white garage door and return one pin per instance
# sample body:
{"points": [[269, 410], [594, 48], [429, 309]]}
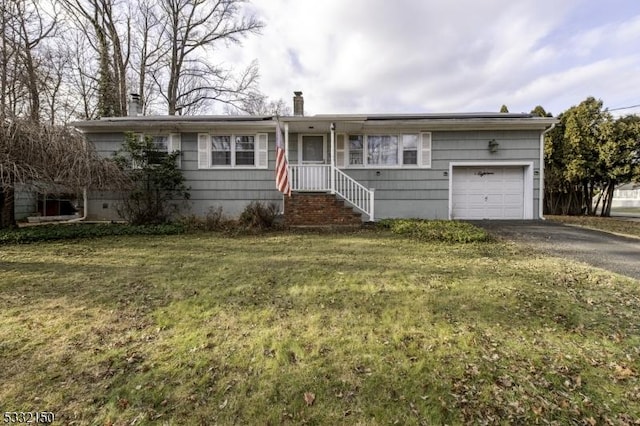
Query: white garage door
{"points": [[487, 193]]}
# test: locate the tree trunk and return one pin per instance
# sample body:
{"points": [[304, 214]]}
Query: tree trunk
{"points": [[4, 70], [606, 206], [32, 84], [588, 198], [7, 208], [120, 61]]}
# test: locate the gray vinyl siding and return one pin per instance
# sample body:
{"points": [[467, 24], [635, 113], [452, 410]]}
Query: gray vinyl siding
{"points": [[424, 193], [25, 204], [231, 189], [513, 146], [399, 192], [103, 205], [209, 188]]}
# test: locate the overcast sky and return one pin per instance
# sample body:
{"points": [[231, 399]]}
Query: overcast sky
{"points": [[366, 56]]}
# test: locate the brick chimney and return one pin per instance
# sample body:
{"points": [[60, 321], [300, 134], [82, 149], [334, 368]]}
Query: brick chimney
{"points": [[298, 104], [135, 106]]}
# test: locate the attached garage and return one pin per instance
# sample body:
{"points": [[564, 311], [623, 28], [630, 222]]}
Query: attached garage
{"points": [[490, 191]]}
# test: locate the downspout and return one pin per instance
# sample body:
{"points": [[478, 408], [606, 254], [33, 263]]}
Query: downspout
{"points": [[85, 209], [541, 186]]}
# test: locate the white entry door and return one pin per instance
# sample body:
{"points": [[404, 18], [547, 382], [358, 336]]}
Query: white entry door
{"points": [[314, 175], [313, 149], [487, 193]]}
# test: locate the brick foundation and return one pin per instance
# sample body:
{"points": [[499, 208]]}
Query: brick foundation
{"points": [[318, 209]]}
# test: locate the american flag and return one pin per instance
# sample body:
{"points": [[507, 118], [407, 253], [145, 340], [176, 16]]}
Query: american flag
{"points": [[282, 167]]}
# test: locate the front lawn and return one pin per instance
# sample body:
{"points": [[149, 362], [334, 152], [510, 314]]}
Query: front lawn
{"points": [[363, 328]]}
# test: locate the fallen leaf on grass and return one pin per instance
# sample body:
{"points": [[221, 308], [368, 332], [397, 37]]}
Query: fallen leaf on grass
{"points": [[623, 373], [309, 398]]}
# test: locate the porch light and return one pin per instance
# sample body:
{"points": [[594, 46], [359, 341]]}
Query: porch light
{"points": [[493, 146]]}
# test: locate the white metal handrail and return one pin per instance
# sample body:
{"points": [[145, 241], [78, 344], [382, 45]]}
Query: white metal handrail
{"points": [[321, 177]]}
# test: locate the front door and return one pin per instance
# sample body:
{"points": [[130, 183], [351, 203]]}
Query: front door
{"points": [[314, 174], [313, 149]]}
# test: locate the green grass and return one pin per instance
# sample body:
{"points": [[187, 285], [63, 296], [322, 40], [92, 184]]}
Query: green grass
{"points": [[449, 231], [608, 224], [381, 329]]}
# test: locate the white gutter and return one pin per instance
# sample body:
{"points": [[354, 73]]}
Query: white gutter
{"points": [[541, 174], [85, 209]]}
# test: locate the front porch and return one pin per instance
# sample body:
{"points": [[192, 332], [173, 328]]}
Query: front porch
{"points": [[313, 151], [325, 178]]}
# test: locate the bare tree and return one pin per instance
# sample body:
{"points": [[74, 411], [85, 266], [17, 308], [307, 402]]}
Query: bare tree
{"points": [[264, 106], [49, 158], [52, 87], [81, 82], [147, 49], [33, 28], [193, 28], [13, 90], [100, 16], [7, 53]]}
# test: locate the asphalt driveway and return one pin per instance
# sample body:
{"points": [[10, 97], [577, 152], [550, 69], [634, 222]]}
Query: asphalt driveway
{"points": [[601, 249]]}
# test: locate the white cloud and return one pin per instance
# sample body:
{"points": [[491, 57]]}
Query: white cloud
{"points": [[464, 55]]}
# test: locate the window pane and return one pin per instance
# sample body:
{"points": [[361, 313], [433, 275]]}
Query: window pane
{"points": [[244, 143], [355, 142], [410, 142], [245, 150], [382, 149], [158, 151], [245, 158], [410, 157], [160, 143], [220, 150], [356, 151], [221, 143], [410, 149], [221, 158]]}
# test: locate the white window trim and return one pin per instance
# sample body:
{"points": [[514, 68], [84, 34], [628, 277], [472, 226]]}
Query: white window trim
{"points": [[174, 143], [256, 151], [422, 135]]}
